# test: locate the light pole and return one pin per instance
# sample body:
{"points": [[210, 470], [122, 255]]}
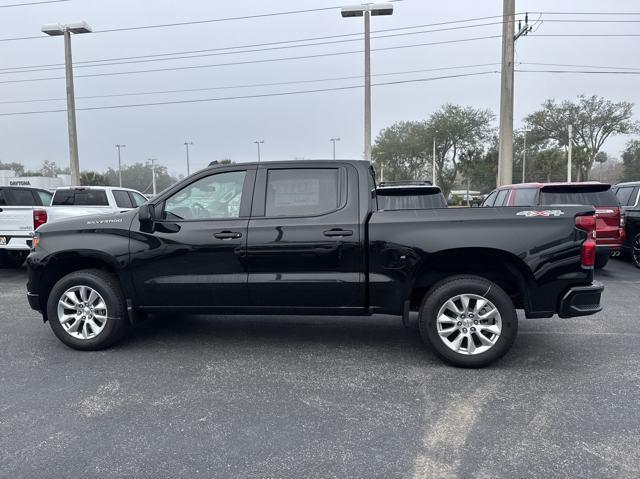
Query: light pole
{"points": [[524, 156], [120, 164], [366, 11], [67, 30], [333, 140], [186, 145], [570, 145], [153, 174], [433, 162], [259, 142]]}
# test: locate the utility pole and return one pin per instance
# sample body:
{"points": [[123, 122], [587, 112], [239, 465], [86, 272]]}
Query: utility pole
{"points": [[120, 165], [259, 142], [570, 145], [153, 174], [509, 37], [524, 157], [66, 31], [433, 162], [333, 140], [187, 144]]}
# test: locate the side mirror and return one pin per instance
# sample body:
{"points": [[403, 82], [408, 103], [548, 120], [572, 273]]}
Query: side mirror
{"points": [[146, 213]]}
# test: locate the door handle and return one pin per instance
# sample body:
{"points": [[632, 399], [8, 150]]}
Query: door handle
{"points": [[227, 235], [337, 232]]}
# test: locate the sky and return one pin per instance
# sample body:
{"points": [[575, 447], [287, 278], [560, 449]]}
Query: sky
{"points": [[292, 126]]}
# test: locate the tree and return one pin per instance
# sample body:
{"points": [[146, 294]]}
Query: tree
{"points": [[93, 178], [138, 177], [548, 165], [631, 161], [18, 168], [457, 130], [401, 151], [594, 120]]}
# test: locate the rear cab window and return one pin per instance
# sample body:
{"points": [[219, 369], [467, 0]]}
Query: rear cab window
{"points": [[627, 195], [575, 196], [304, 191], [18, 197], [410, 198], [45, 197], [80, 197]]}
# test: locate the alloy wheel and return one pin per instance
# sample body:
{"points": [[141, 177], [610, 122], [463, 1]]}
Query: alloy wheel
{"points": [[82, 312], [469, 324]]}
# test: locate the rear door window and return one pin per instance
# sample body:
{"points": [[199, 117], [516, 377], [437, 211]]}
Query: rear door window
{"points": [[3, 201], [502, 197], [578, 197], [304, 191], [525, 196], [122, 199], [624, 194], [19, 197]]}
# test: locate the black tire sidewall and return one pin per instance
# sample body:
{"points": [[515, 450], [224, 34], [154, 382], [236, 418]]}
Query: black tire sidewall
{"points": [[633, 259], [447, 289], [602, 260], [115, 308]]}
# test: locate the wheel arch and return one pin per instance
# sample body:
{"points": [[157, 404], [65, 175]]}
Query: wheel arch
{"points": [[501, 267]]}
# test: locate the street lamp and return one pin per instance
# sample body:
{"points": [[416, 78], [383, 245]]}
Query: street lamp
{"points": [[524, 156], [333, 140], [259, 142], [67, 30], [153, 174], [366, 11], [120, 164], [187, 144]]}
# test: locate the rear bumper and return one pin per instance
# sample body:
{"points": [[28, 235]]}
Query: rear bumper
{"points": [[581, 301]]}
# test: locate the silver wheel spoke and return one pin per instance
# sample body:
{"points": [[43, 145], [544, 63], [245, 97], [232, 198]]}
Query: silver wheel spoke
{"points": [[492, 328], [451, 306], [464, 299], [446, 332], [90, 314], [486, 341], [471, 346], [479, 305], [455, 344]]}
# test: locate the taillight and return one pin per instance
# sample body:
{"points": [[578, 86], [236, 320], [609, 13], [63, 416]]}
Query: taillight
{"points": [[39, 218], [588, 252], [623, 220]]}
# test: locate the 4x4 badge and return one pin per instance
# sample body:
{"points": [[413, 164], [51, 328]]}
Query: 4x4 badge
{"points": [[533, 214]]}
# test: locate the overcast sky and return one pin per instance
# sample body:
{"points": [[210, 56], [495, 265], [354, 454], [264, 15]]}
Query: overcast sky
{"points": [[291, 126]]}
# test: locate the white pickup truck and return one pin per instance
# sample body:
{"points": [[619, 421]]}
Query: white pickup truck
{"points": [[23, 210]]}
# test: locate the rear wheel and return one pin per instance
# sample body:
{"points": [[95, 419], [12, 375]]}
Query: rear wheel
{"points": [[601, 261], [12, 259], [87, 310], [635, 250], [469, 321]]}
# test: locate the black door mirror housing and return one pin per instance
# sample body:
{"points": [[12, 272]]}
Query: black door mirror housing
{"points": [[146, 213]]}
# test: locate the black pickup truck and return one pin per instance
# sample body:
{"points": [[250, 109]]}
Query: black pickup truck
{"points": [[308, 238]]}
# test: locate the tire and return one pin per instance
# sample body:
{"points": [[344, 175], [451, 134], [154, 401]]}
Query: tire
{"points": [[601, 261], [12, 259], [635, 250], [480, 353], [88, 329]]}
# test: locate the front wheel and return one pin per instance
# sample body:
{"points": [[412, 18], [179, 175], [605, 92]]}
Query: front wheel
{"points": [[469, 321], [86, 310], [635, 251]]}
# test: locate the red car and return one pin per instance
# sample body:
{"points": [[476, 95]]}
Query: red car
{"points": [[610, 228]]}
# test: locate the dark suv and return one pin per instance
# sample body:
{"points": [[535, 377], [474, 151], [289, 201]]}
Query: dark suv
{"points": [[610, 220], [629, 196]]}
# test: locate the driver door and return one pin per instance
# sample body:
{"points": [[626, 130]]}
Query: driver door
{"points": [[194, 257]]}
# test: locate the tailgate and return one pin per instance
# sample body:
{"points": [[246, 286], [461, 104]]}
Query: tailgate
{"points": [[16, 220]]}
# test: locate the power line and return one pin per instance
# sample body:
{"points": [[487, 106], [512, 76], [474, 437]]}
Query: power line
{"points": [[579, 66], [537, 35], [222, 50], [447, 22], [594, 72], [254, 85], [26, 4], [249, 62], [262, 95]]}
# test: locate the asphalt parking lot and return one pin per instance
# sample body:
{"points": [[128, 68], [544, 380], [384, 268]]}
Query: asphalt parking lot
{"points": [[317, 397]]}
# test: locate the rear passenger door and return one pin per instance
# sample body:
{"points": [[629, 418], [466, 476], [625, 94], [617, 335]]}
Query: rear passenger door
{"points": [[304, 248]]}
